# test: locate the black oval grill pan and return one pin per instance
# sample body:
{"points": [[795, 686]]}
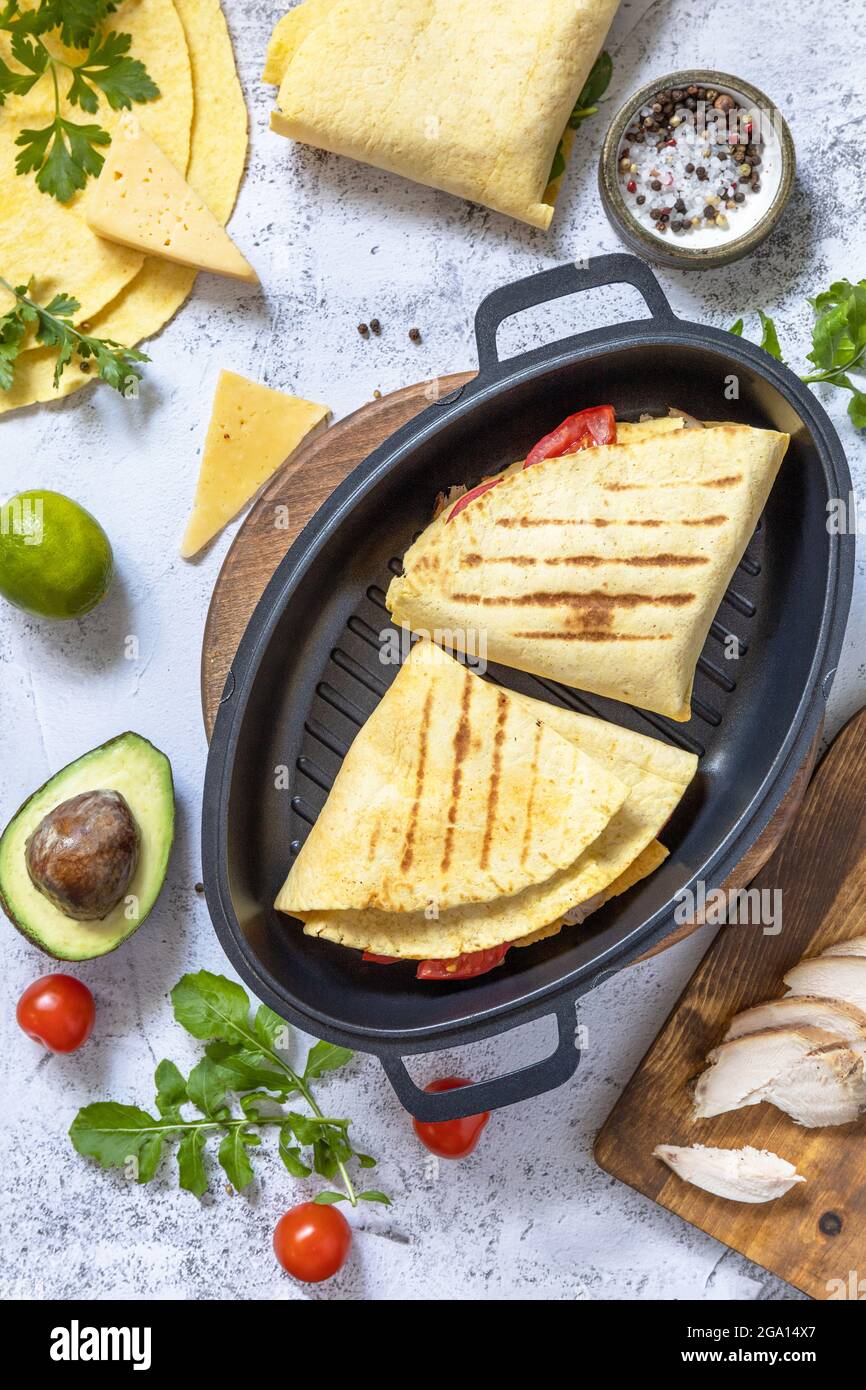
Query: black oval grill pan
{"points": [[307, 674]]}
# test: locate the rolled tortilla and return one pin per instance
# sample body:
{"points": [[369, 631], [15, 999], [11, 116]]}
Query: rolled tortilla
{"points": [[467, 97]]}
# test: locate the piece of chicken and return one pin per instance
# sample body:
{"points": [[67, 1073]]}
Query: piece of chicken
{"points": [[740, 1070], [741, 1175], [828, 1087], [831, 977], [845, 1021], [855, 947]]}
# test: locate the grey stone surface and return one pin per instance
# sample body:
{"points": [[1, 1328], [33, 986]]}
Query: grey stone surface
{"points": [[529, 1215]]}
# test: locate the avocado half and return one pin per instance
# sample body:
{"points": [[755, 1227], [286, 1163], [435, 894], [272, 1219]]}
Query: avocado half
{"points": [[142, 774]]}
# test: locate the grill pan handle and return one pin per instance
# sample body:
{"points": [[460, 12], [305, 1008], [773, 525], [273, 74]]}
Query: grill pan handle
{"points": [[515, 1086], [563, 280]]}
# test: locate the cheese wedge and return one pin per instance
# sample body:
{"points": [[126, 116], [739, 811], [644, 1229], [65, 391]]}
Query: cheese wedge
{"points": [[141, 200], [252, 431]]}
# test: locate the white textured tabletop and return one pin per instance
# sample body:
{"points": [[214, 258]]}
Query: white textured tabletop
{"points": [[529, 1215]]}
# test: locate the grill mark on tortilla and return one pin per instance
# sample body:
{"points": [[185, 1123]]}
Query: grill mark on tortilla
{"points": [[409, 843], [587, 598], [374, 840], [728, 481], [595, 635], [493, 794], [663, 561], [462, 738], [512, 522], [527, 829]]}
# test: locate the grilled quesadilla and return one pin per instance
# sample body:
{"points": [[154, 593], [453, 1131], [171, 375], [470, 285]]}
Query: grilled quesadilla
{"points": [[469, 97], [602, 569], [448, 775], [451, 776]]}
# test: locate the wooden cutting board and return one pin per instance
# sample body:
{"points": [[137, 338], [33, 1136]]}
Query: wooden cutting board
{"points": [[288, 502], [817, 1232]]}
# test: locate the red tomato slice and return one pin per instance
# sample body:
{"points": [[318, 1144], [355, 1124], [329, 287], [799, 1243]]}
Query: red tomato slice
{"points": [[462, 967], [471, 495], [373, 959], [585, 430]]}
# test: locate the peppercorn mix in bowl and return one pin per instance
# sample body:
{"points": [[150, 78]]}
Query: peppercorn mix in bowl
{"points": [[696, 169]]}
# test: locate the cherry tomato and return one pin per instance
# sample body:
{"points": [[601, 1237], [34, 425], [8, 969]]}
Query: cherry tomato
{"points": [[463, 967], [471, 495], [312, 1242], [57, 1011], [584, 430], [451, 1138]]}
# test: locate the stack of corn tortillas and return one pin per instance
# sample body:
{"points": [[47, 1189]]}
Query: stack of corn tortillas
{"points": [[199, 121], [466, 816], [605, 569], [469, 97]]}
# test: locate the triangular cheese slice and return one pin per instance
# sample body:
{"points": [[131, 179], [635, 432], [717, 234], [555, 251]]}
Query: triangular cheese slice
{"points": [[603, 570], [252, 431], [142, 200], [452, 792]]}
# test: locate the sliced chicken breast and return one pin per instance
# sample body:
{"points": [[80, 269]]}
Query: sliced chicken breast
{"points": [[855, 947], [827, 1087], [741, 1175], [845, 1021], [740, 1070], [831, 977]]}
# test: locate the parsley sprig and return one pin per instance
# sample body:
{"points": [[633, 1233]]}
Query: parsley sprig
{"points": [[53, 322], [242, 1060], [64, 153], [838, 342]]}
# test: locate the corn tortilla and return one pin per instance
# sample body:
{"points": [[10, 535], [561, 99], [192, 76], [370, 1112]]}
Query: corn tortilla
{"points": [[218, 153]]}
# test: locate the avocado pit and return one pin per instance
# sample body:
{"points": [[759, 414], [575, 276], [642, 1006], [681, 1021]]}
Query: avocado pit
{"points": [[83, 854]]}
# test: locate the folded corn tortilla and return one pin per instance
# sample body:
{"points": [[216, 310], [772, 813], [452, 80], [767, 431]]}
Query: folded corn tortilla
{"points": [[467, 97], [453, 792], [602, 570], [626, 850]]}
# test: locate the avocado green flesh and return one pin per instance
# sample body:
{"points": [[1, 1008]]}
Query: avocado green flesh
{"points": [[142, 774]]}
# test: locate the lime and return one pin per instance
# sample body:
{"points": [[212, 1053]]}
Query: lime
{"points": [[55, 558]]}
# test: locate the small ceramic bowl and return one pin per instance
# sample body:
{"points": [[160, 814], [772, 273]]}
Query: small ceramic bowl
{"points": [[759, 213]]}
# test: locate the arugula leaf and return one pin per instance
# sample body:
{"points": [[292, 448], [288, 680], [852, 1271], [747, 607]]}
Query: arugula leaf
{"points": [[113, 1134], [737, 328], [247, 1071], [190, 1162], [593, 90], [234, 1158], [171, 1092], [769, 337], [210, 1006], [586, 105], [207, 1088], [273, 1031], [325, 1057], [291, 1154], [838, 342]]}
